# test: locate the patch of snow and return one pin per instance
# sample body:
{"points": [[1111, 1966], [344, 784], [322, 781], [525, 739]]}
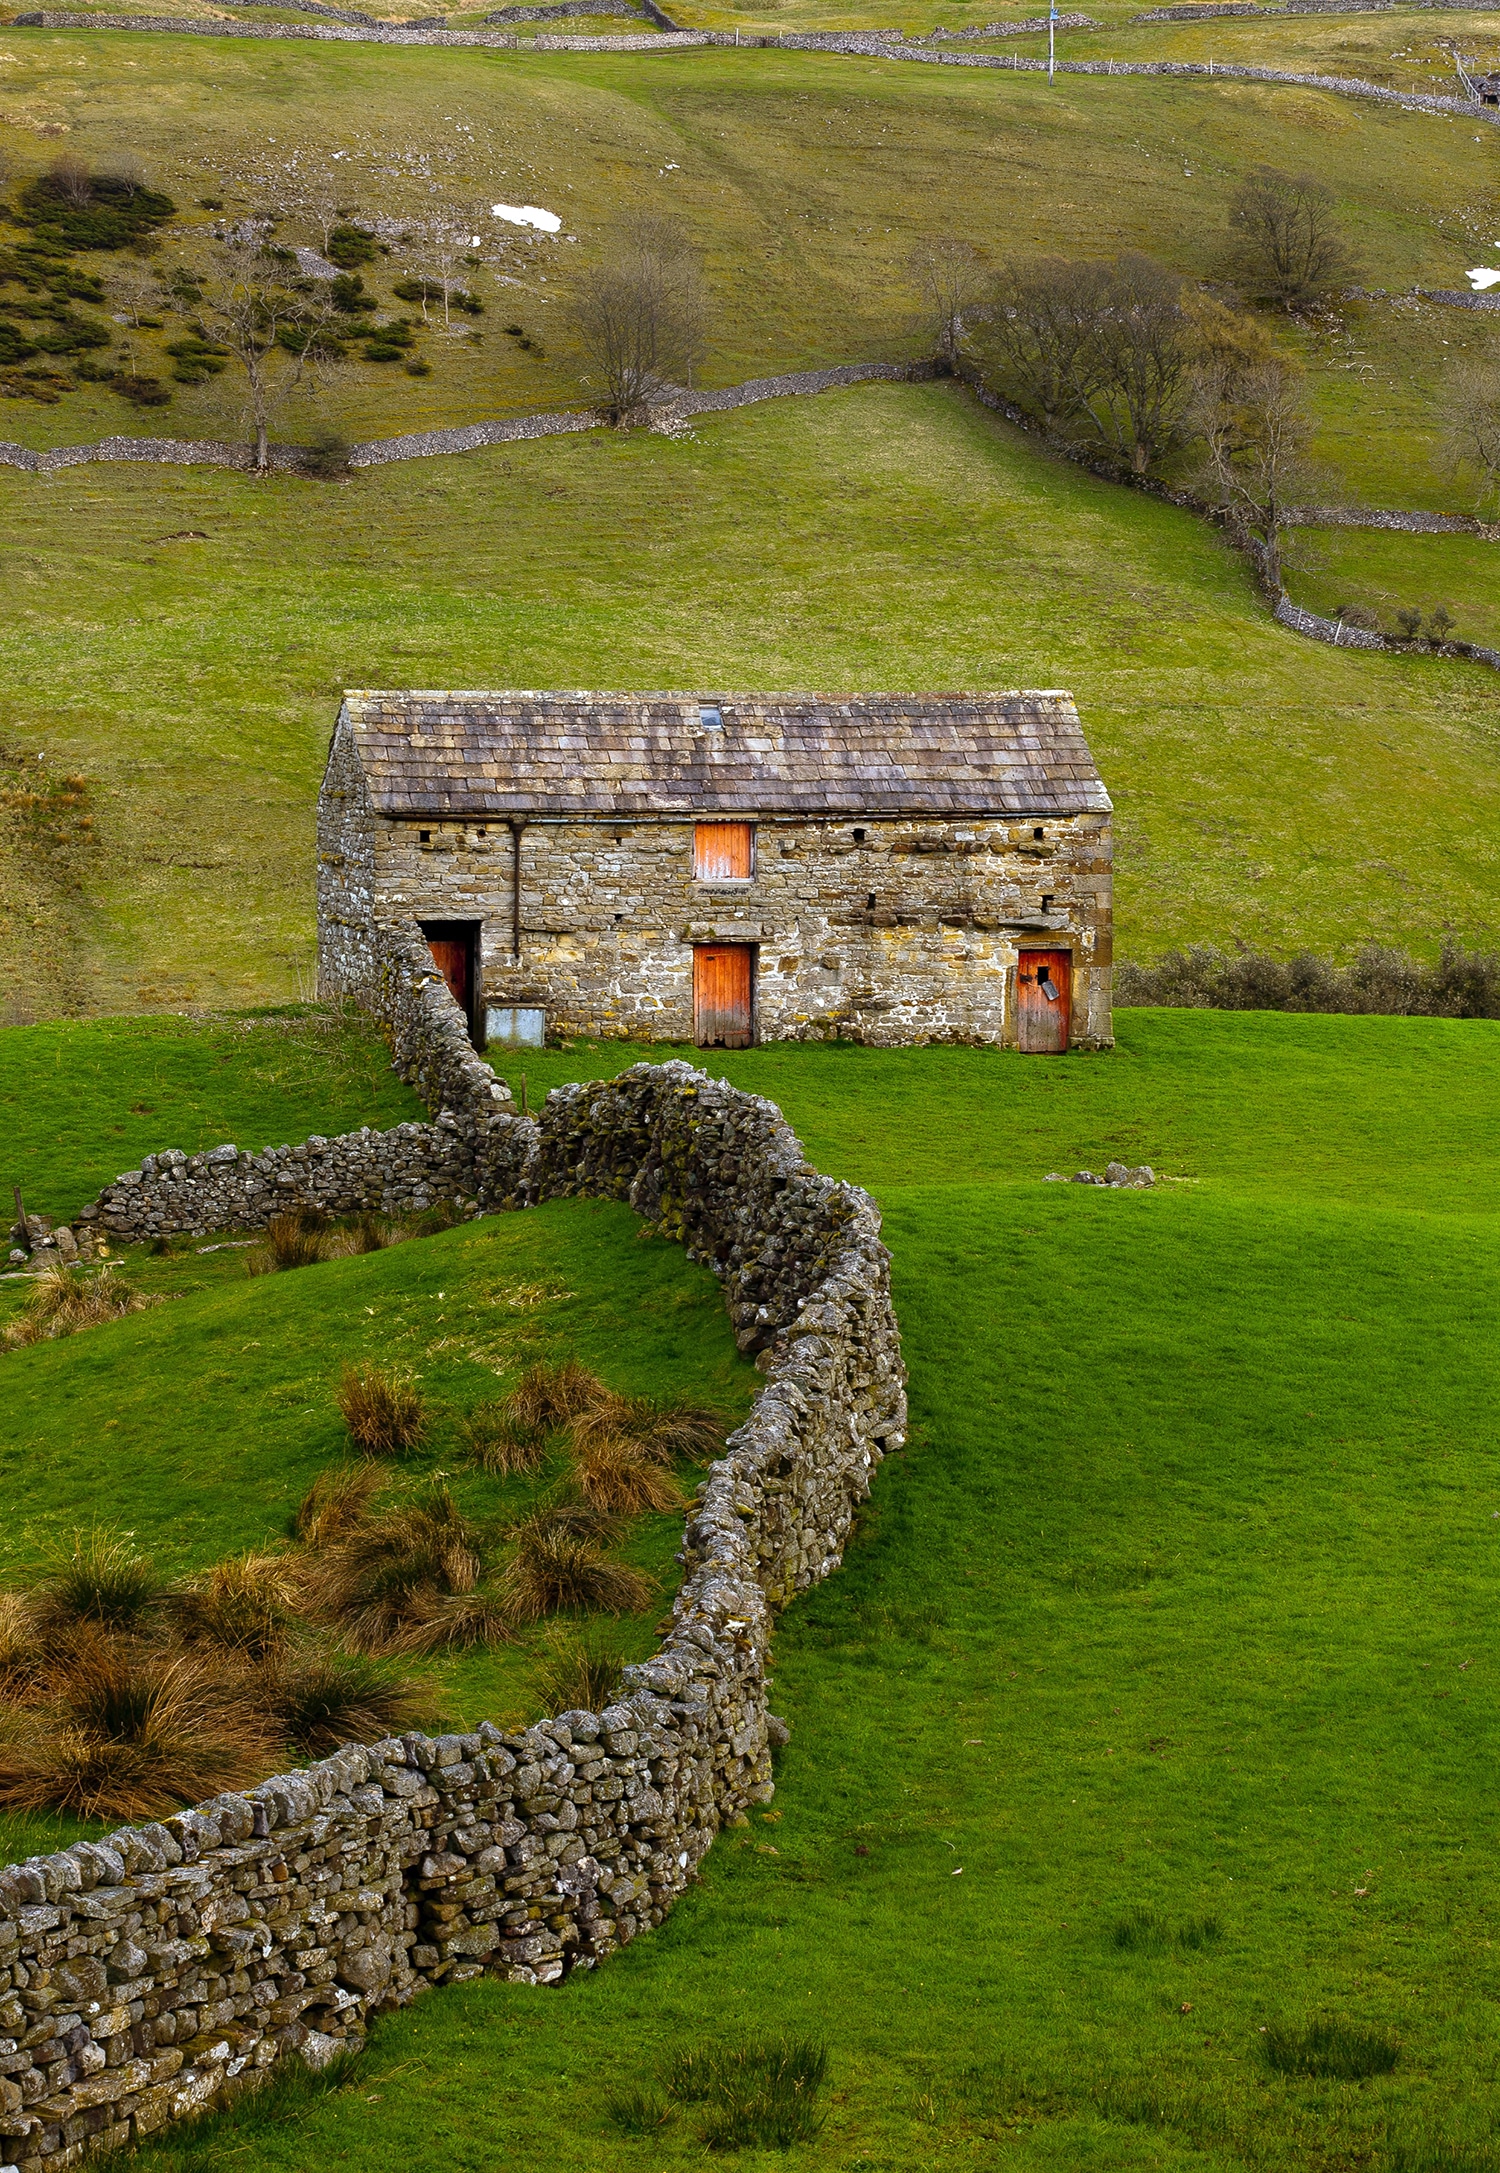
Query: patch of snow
{"points": [[1482, 278], [527, 215]]}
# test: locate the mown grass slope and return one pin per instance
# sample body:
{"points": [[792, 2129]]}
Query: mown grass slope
{"points": [[1176, 1606]]}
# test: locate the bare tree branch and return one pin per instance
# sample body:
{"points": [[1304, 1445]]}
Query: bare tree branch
{"points": [[949, 277], [1290, 249], [640, 313]]}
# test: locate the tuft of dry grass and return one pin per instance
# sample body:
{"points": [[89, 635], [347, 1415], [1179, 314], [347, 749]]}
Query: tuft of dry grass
{"points": [[578, 1675], [244, 1604], [369, 1232], [381, 1581], [116, 1732], [614, 1474], [661, 1428], [497, 1440], [64, 1300], [319, 1701], [452, 1621], [548, 1396], [557, 1572], [104, 1582], [296, 1239], [382, 1410], [337, 1502]]}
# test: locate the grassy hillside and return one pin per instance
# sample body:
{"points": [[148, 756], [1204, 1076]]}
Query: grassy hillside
{"points": [[79, 1103], [887, 536], [1177, 1604]]}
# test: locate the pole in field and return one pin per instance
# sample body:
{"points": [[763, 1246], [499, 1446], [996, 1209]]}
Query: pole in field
{"points": [[1052, 41]]}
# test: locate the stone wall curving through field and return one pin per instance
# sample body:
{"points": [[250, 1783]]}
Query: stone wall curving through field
{"points": [[147, 1975]]}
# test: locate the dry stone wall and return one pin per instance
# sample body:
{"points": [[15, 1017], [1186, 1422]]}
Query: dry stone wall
{"points": [[162, 1969]]}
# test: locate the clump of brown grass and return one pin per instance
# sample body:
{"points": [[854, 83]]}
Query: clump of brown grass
{"points": [[296, 1239], [452, 1621], [244, 1604], [369, 1232], [557, 1572], [660, 1428], [498, 1441], [112, 1731], [383, 1580], [578, 1675], [614, 1474], [382, 1410], [64, 1300], [337, 1502], [549, 1396], [105, 1582], [320, 1700]]}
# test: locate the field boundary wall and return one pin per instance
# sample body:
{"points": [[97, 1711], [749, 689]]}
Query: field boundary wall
{"points": [[866, 44], [160, 1970]]}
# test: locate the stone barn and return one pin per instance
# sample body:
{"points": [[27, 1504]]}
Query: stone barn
{"points": [[726, 868]]}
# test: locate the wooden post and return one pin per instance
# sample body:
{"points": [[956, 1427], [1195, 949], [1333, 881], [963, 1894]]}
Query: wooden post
{"points": [[21, 1218], [523, 1094]]}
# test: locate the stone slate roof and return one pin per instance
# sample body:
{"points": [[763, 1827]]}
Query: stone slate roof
{"points": [[556, 756]]}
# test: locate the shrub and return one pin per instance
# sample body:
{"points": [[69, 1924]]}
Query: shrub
{"points": [[1339, 2049], [498, 1441], [1410, 624], [71, 208], [293, 1240], [419, 369], [351, 246], [1440, 624], [1462, 985], [62, 1301], [349, 294], [382, 1410], [614, 1474], [559, 1573], [325, 1699], [578, 1675], [141, 391], [124, 1734], [758, 2094], [104, 1583]]}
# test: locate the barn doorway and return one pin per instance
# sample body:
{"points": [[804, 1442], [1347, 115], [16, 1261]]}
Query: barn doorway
{"points": [[723, 995], [1044, 999], [455, 952]]}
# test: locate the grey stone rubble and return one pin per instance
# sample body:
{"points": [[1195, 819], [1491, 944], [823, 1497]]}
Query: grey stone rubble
{"points": [[163, 1968], [1118, 1174], [561, 8], [1010, 30], [1411, 524]]}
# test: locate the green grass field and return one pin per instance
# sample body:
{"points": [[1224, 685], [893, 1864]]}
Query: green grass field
{"points": [[1178, 1603], [885, 536], [180, 639]]}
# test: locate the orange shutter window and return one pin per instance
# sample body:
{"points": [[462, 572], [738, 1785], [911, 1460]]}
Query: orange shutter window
{"points": [[721, 851]]}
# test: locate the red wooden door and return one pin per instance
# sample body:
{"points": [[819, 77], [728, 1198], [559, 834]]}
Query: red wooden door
{"points": [[722, 978], [451, 955], [1044, 995], [723, 851]]}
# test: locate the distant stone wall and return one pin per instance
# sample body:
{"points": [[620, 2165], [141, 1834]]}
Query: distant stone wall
{"points": [[157, 1971], [1306, 622]]}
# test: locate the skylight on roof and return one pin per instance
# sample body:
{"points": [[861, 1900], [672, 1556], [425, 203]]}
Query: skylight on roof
{"points": [[711, 719]]}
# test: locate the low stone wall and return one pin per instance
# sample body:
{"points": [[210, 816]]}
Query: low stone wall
{"points": [[1306, 622], [158, 1971], [1410, 524]]}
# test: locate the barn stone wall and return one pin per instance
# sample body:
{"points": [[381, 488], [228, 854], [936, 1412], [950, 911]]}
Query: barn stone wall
{"points": [[906, 934], [160, 1970]]}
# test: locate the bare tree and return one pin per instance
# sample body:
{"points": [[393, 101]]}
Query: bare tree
{"points": [[1093, 351], [950, 279], [1290, 250], [640, 312], [1038, 339], [71, 180], [1474, 421], [134, 292], [1247, 407], [278, 328], [442, 247], [1139, 365]]}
